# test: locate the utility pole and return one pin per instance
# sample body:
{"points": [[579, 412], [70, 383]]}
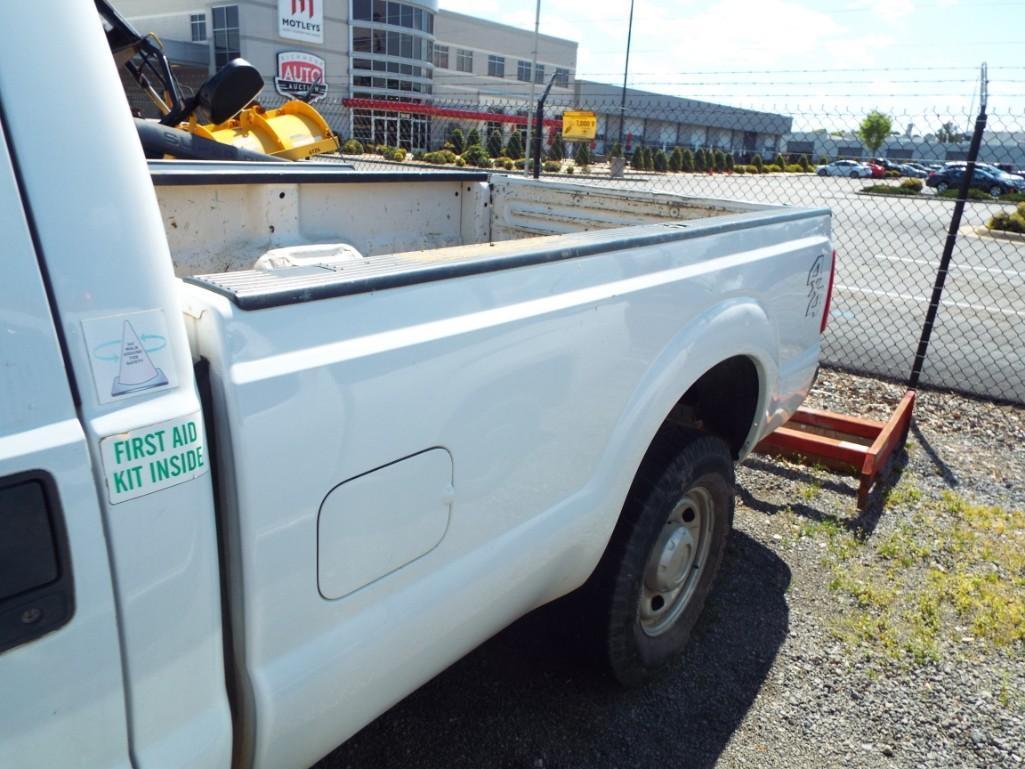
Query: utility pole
{"points": [[533, 82], [626, 73]]}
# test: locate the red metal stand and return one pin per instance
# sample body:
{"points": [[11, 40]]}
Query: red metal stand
{"points": [[843, 442]]}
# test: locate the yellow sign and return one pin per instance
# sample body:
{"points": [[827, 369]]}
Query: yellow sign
{"points": [[579, 125]]}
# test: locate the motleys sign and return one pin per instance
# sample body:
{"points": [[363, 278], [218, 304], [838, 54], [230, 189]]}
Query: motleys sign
{"points": [[300, 76], [301, 20]]}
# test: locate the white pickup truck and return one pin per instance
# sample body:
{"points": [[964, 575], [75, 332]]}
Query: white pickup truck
{"points": [[280, 442]]}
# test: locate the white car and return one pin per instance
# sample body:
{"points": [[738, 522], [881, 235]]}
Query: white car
{"points": [[851, 168]]}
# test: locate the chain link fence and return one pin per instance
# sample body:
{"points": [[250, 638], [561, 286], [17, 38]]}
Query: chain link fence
{"points": [[890, 217]]}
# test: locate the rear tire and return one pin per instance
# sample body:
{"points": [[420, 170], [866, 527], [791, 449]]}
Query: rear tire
{"points": [[822, 172], [651, 585], [996, 191], [854, 174], [941, 187]]}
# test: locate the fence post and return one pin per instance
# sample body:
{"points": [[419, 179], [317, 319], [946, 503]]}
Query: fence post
{"points": [[540, 128], [948, 247]]}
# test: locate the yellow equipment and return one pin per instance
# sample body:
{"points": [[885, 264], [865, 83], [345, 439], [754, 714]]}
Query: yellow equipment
{"points": [[293, 131]]}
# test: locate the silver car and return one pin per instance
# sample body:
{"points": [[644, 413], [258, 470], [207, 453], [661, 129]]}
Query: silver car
{"points": [[851, 168]]}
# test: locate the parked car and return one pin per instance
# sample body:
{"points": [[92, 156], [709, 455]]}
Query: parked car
{"points": [[986, 178], [886, 163], [851, 168], [878, 172], [913, 171]]}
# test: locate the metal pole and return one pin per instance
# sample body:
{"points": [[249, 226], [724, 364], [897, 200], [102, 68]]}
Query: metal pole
{"points": [[540, 122], [533, 83], [948, 247], [626, 72]]}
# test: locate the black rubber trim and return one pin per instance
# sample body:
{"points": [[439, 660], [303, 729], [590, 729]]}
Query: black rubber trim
{"points": [[38, 611], [670, 233], [173, 174]]}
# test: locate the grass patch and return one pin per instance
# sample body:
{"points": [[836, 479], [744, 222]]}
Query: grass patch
{"points": [[951, 576], [889, 189], [973, 194]]}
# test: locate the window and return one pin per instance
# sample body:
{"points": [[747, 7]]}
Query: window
{"points": [[395, 14], [226, 37], [539, 73], [380, 11], [523, 71], [464, 60], [361, 37], [496, 66], [198, 22], [362, 9], [562, 77]]}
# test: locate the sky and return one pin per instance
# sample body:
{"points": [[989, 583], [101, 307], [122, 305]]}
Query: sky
{"points": [[819, 60]]}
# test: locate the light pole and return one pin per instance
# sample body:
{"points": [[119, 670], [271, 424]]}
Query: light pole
{"points": [[533, 83], [626, 72]]}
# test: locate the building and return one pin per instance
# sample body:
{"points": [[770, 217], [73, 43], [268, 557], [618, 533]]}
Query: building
{"points": [[997, 147], [404, 73]]}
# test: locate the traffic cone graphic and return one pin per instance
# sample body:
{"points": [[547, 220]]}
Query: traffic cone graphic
{"points": [[137, 370]]}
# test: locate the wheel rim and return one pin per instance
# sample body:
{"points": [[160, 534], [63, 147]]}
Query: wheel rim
{"points": [[995, 191], [676, 562], [941, 187]]}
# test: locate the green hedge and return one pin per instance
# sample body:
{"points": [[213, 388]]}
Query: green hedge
{"points": [[1009, 221], [891, 189], [973, 194], [352, 147]]}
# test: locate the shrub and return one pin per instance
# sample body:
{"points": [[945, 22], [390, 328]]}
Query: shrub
{"points": [[649, 159], [439, 158], [514, 149], [804, 163], [569, 169], [757, 162], [1021, 208], [637, 160], [912, 184], [739, 170], [688, 161], [660, 161], [616, 151], [893, 174], [582, 156], [352, 147], [730, 163], [473, 137], [700, 160], [558, 149], [1008, 221], [890, 189], [475, 155], [973, 194], [494, 147], [780, 161], [719, 160], [449, 146], [457, 141], [1013, 197], [772, 168], [794, 168], [419, 155], [460, 162], [552, 166], [823, 160], [676, 160], [521, 163], [398, 154]]}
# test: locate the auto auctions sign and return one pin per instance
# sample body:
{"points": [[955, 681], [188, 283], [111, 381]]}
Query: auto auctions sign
{"points": [[300, 76], [301, 20]]}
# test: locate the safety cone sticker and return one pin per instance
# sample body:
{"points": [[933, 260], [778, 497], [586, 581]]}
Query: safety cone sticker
{"points": [[129, 354], [137, 370]]}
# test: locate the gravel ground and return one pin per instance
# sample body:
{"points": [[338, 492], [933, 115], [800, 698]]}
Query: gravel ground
{"points": [[821, 645]]}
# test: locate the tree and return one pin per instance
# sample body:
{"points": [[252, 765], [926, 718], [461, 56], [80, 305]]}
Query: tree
{"points": [[676, 160], [455, 138], [730, 162], [700, 160], [558, 149], [649, 159], [688, 161], [780, 161], [494, 147], [719, 158], [874, 129], [616, 151], [758, 163], [514, 149], [804, 163], [582, 157], [637, 161], [473, 137], [660, 161], [948, 133]]}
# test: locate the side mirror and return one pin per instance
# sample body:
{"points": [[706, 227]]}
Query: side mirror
{"points": [[231, 88]]}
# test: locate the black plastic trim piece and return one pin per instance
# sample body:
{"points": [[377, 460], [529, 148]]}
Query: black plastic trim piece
{"points": [[360, 285], [35, 612], [167, 173]]}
